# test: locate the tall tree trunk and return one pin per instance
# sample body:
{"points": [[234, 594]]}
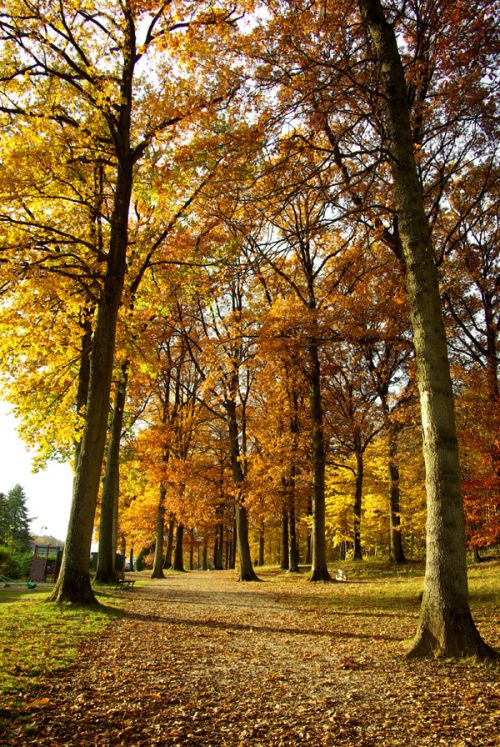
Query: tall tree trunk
{"points": [[105, 572], [157, 571], [396, 542], [216, 547], [285, 541], [73, 583], [219, 543], [262, 545], [293, 555], [247, 572], [358, 499], [191, 549], [446, 626], [83, 371], [246, 569], [232, 559], [319, 569], [170, 542], [205, 554], [179, 550]]}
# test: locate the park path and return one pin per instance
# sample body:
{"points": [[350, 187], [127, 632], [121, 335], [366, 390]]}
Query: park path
{"points": [[199, 659]]}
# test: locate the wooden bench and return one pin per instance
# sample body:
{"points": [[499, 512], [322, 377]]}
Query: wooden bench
{"points": [[124, 583]]}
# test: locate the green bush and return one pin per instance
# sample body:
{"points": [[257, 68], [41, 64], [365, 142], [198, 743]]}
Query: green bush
{"points": [[139, 563], [5, 555], [14, 564], [20, 564]]}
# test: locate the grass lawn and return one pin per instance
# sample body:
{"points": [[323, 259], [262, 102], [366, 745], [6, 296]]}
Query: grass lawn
{"points": [[38, 638]]}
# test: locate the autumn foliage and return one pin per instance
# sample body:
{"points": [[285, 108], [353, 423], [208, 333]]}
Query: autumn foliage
{"points": [[197, 206]]}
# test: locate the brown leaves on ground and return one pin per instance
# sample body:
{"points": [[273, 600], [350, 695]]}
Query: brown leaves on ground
{"points": [[201, 660]]}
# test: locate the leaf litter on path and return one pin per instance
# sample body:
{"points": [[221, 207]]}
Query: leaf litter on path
{"points": [[198, 659]]}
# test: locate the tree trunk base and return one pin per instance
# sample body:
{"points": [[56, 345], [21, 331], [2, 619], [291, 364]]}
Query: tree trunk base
{"points": [[320, 575], [458, 639], [73, 588], [248, 575], [398, 561], [105, 577], [158, 573]]}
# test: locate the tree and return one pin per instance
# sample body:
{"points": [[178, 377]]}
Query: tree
{"points": [[14, 521], [446, 626], [82, 67]]}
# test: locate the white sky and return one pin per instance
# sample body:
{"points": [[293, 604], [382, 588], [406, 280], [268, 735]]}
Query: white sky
{"points": [[48, 492]]}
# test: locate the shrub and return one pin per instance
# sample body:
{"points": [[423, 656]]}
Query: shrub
{"points": [[139, 563], [20, 564], [5, 555]]}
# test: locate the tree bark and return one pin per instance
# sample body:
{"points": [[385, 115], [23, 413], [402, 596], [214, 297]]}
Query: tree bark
{"points": [[83, 371], [219, 542], [293, 555], [396, 543], [285, 541], [247, 572], [170, 543], [319, 569], [179, 553], [262, 545], [358, 499], [446, 627], [105, 572], [232, 557], [191, 549], [205, 554], [157, 571]]}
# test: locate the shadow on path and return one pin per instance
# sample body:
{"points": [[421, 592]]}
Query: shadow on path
{"points": [[215, 624]]}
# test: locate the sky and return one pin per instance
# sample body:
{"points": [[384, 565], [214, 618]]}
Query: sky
{"points": [[48, 492]]}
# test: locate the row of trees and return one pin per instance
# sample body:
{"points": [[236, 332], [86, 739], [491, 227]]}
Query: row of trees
{"points": [[218, 271]]}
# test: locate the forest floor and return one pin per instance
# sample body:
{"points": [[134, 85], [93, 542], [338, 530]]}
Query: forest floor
{"points": [[198, 659]]}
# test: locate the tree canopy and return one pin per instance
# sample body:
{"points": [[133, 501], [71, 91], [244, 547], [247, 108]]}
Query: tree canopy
{"points": [[249, 279]]}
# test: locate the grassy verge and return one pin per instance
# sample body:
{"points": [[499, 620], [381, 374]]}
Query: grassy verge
{"points": [[38, 639], [376, 586]]}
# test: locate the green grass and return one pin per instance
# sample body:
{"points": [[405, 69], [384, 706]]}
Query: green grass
{"points": [[380, 585], [38, 638]]}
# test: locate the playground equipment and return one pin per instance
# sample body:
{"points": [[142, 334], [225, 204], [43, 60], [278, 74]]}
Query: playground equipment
{"points": [[46, 563]]}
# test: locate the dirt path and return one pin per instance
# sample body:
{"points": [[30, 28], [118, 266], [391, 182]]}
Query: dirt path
{"points": [[201, 660]]}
